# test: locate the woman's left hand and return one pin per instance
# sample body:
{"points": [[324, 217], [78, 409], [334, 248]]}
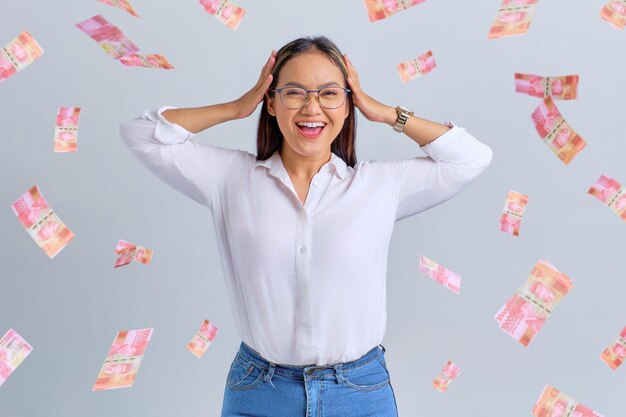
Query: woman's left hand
{"points": [[373, 110]]}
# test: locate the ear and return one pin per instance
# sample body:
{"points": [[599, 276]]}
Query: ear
{"points": [[270, 105], [347, 110]]}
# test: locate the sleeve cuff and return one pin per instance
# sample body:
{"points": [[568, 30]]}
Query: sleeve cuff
{"points": [[166, 132], [441, 147]]}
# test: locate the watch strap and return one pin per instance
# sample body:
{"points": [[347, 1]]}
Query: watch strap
{"points": [[403, 117]]}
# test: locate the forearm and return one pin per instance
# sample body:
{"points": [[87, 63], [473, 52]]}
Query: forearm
{"points": [[422, 131], [197, 119]]}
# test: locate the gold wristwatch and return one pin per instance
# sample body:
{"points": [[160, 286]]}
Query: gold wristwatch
{"points": [[403, 115]]}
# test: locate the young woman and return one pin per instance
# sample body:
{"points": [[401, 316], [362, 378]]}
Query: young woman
{"points": [[303, 229]]}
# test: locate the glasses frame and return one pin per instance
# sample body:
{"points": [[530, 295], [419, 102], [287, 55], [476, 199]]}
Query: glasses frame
{"points": [[306, 100]]}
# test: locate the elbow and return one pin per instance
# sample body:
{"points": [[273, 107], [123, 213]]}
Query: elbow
{"points": [[475, 157], [482, 157], [136, 135], [465, 173], [480, 164], [486, 157]]}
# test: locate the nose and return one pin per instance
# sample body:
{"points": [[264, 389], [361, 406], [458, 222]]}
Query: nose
{"points": [[312, 104]]}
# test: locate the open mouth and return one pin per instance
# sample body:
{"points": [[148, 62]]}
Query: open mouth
{"points": [[311, 129]]}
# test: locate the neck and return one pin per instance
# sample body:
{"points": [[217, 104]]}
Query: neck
{"points": [[302, 167]]}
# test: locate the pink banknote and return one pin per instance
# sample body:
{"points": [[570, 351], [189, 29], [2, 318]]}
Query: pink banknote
{"points": [[42, 224], [514, 208], [225, 11], [109, 36], [122, 362], [440, 274], [615, 353], [66, 129], [554, 403], [555, 132], [122, 4], [381, 9], [18, 54], [13, 350], [448, 374], [564, 87], [203, 339], [614, 12], [514, 18], [421, 65], [129, 252], [611, 193], [146, 60], [526, 311]]}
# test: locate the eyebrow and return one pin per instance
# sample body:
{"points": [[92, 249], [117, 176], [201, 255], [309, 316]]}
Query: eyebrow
{"points": [[296, 84]]}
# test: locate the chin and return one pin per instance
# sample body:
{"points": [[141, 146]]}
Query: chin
{"points": [[311, 150]]}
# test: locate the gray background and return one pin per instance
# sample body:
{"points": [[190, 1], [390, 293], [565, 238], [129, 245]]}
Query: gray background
{"points": [[71, 307]]}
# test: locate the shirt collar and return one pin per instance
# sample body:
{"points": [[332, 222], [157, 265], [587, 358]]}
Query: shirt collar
{"points": [[275, 164]]}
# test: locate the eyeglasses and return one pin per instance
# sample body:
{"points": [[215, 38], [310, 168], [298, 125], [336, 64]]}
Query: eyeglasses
{"points": [[328, 97]]}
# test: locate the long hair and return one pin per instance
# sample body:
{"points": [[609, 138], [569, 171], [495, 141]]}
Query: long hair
{"points": [[269, 136]]}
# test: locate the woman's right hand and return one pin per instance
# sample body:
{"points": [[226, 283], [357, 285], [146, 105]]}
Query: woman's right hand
{"points": [[247, 103]]}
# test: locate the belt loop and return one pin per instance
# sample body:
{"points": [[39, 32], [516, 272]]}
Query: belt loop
{"points": [[339, 373], [270, 374], [383, 348]]}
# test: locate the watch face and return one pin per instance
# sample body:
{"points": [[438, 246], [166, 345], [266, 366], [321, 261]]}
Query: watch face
{"points": [[405, 109]]}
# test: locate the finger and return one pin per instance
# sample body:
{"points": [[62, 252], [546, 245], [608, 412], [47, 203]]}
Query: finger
{"points": [[262, 75], [263, 88], [270, 66], [269, 63], [349, 63], [272, 58], [353, 74], [267, 70], [353, 81], [265, 67], [267, 83], [354, 86]]}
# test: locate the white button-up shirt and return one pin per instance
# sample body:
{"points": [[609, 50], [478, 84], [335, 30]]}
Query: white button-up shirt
{"points": [[307, 282]]}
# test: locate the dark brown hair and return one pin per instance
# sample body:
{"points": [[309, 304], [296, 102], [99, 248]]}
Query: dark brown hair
{"points": [[269, 137]]}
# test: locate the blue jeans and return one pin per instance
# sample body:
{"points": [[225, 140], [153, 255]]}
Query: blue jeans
{"points": [[258, 388]]}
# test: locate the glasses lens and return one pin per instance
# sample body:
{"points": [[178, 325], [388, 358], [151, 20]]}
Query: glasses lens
{"points": [[293, 97], [332, 97], [329, 97]]}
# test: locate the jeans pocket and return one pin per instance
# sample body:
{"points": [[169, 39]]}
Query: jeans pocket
{"points": [[243, 375], [369, 377]]}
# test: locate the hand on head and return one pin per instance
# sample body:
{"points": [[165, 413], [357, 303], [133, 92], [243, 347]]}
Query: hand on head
{"points": [[247, 103], [373, 110]]}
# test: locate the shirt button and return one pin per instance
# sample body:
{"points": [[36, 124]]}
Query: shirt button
{"points": [[303, 249], [314, 183]]}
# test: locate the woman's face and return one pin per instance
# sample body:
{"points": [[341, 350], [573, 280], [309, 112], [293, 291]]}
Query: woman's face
{"points": [[311, 71]]}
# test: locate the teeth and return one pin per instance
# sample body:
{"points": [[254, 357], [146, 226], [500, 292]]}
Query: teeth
{"points": [[311, 124]]}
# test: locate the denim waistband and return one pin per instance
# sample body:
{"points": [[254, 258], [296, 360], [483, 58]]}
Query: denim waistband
{"points": [[251, 356]]}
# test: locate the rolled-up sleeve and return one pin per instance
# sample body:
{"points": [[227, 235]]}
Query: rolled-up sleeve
{"points": [[453, 160], [169, 152]]}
